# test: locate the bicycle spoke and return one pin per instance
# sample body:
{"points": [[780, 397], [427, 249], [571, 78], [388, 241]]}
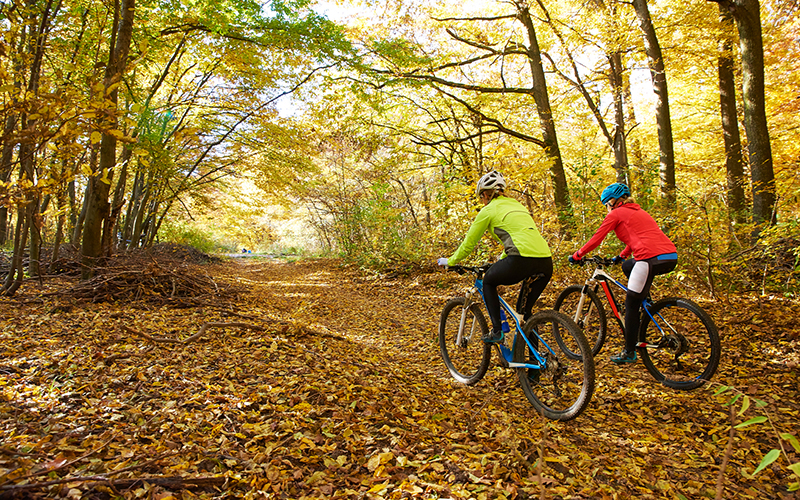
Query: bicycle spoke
{"points": [[562, 389], [468, 359], [682, 349], [590, 318]]}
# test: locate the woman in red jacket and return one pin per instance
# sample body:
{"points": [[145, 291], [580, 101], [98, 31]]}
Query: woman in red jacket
{"points": [[653, 254]]}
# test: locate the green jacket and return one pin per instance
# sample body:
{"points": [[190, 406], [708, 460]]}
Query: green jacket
{"points": [[511, 224]]}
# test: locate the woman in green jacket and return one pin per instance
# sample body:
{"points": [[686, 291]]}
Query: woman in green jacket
{"points": [[526, 255]]}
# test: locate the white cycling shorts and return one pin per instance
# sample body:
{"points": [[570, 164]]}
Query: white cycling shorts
{"points": [[638, 277]]}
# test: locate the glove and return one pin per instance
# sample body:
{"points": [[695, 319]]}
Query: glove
{"points": [[619, 259], [442, 261], [575, 259]]}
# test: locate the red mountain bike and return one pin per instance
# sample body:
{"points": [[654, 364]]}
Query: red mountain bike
{"points": [[678, 341]]}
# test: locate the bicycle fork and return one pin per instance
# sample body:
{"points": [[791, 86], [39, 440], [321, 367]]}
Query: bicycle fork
{"points": [[464, 312]]}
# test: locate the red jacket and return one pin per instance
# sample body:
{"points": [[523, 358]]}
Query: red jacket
{"points": [[634, 227]]}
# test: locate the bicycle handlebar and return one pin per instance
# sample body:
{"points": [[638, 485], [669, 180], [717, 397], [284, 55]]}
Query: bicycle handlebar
{"points": [[477, 270], [600, 261]]}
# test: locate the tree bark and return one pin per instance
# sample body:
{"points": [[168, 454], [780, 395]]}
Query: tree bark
{"points": [[620, 147], [663, 120], [636, 174], [77, 228], [748, 22], [98, 208], [542, 100], [5, 170], [734, 161]]}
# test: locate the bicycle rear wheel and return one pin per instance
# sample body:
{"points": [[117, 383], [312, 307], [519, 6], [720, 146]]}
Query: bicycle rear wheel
{"points": [[683, 347], [563, 388], [591, 318], [468, 360]]}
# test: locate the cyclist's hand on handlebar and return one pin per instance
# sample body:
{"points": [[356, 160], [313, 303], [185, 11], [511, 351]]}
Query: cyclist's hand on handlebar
{"points": [[618, 260], [442, 261], [575, 259]]}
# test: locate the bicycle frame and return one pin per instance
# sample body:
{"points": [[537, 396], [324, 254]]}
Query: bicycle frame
{"points": [[602, 279], [507, 354]]}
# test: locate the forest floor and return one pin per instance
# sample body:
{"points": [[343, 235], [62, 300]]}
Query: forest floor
{"points": [[310, 379]]}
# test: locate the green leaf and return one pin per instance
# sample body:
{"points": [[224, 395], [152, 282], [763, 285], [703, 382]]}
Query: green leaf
{"points": [[745, 405], [754, 420], [722, 389], [768, 459], [760, 403], [795, 468], [733, 399], [792, 440]]}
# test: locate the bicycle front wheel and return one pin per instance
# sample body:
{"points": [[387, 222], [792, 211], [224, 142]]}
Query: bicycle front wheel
{"points": [[683, 347], [468, 359], [591, 318], [563, 387]]}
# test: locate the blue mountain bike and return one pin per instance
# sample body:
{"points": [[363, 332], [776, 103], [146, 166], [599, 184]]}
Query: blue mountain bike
{"points": [[558, 383]]}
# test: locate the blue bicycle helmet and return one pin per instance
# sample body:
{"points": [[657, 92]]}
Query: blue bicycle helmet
{"points": [[614, 191]]}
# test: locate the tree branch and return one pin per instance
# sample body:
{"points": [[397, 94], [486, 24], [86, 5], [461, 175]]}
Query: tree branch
{"points": [[495, 122]]}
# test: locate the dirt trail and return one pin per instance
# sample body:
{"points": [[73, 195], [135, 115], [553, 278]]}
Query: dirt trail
{"points": [[338, 390], [636, 439]]}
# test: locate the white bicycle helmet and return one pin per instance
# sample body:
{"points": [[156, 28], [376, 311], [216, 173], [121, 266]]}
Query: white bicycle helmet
{"points": [[492, 180]]}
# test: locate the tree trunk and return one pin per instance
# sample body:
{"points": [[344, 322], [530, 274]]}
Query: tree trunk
{"points": [[15, 272], [542, 100], [5, 170], [110, 240], [133, 211], [32, 210], [61, 206], [77, 231], [734, 161], [663, 120], [619, 145], [636, 173], [748, 22], [73, 211], [97, 213]]}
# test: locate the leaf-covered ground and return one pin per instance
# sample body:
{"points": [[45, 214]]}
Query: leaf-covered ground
{"points": [[314, 381]]}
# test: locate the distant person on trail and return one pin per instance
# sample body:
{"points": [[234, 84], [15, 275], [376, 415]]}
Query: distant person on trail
{"points": [[526, 255], [653, 254]]}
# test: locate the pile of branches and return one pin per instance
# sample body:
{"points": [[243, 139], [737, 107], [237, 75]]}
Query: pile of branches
{"points": [[772, 267], [180, 285], [174, 252]]}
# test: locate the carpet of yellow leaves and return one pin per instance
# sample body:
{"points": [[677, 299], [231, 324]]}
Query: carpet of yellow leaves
{"points": [[319, 381]]}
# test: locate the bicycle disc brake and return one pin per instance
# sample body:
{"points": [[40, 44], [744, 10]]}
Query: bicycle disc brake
{"points": [[553, 370], [677, 344]]}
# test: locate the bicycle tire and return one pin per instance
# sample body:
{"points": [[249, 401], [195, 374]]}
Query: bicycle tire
{"points": [[467, 363], [564, 388], [592, 319], [690, 338]]}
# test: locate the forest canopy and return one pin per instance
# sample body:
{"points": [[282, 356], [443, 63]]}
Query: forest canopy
{"points": [[359, 129]]}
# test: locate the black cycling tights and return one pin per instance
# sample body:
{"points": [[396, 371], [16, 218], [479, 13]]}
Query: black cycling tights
{"points": [[536, 271], [640, 275]]}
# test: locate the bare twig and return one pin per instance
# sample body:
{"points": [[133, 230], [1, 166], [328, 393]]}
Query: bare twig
{"points": [[66, 464], [540, 464], [728, 452], [101, 479]]}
